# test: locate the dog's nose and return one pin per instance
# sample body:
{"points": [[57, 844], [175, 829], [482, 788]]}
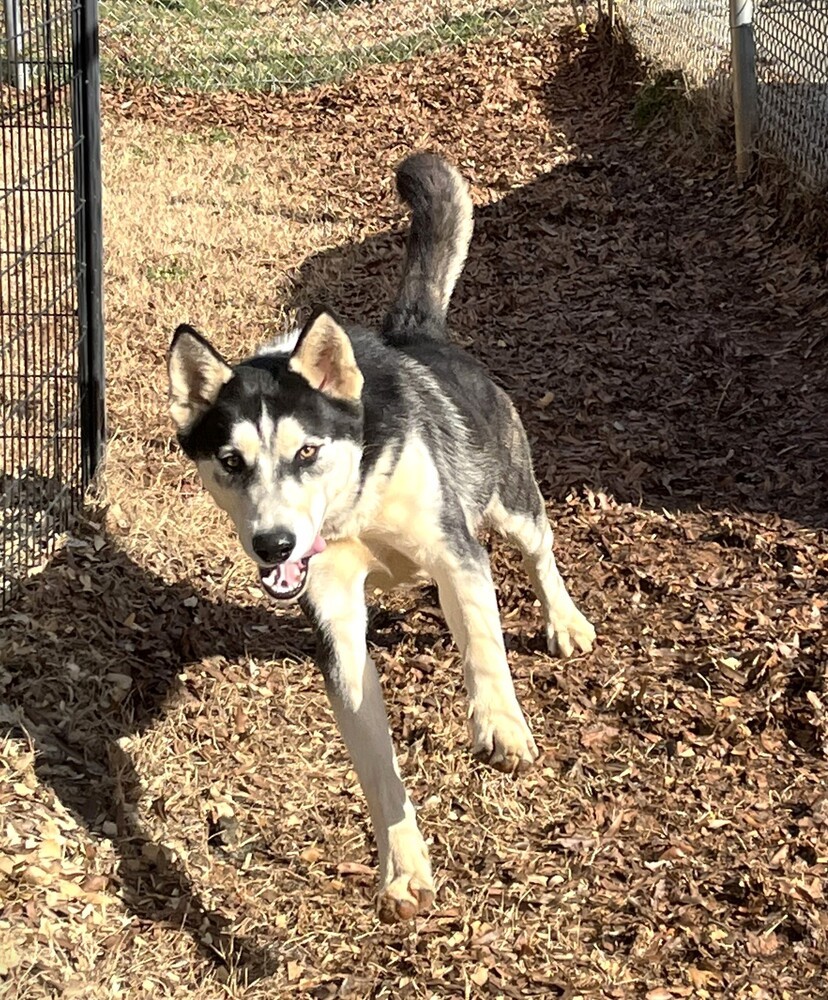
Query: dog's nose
{"points": [[274, 546]]}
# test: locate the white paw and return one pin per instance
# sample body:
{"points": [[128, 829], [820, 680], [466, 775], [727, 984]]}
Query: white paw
{"points": [[570, 634], [501, 738], [407, 888]]}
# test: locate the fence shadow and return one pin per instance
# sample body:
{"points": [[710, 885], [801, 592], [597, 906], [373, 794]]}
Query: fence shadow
{"points": [[659, 346], [66, 637], [659, 343]]}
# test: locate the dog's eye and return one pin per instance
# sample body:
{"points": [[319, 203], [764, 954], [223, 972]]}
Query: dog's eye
{"points": [[232, 462], [307, 454]]}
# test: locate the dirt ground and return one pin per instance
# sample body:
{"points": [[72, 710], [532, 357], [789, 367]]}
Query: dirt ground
{"points": [[179, 817]]}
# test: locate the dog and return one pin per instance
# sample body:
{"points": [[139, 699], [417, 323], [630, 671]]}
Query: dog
{"points": [[349, 459]]}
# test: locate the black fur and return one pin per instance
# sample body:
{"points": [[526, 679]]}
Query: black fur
{"points": [[266, 382]]}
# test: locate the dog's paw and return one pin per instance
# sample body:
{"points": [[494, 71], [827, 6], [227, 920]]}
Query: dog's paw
{"points": [[501, 739], [574, 634], [404, 898], [408, 888]]}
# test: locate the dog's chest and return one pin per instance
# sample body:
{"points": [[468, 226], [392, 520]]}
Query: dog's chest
{"points": [[401, 506]]}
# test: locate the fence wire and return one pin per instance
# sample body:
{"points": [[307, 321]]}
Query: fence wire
{"points": [[235, 44], [791, 66], [792, 73], [687, 36], [44, 461]]}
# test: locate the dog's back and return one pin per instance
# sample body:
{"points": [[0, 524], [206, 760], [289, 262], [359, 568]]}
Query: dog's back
{"points": [[471, 429]]}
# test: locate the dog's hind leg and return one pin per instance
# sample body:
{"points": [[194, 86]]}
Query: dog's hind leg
{"points": [[521, 517], [500, 735], [335, 603]]}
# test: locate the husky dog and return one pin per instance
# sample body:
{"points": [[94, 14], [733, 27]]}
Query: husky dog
{"points": [[347, 459]]}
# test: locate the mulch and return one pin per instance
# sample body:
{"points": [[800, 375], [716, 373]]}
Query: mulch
{"points": [[174, 789]]}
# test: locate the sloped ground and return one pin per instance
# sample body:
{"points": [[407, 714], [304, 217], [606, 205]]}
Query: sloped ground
{"points": [[174, 788]]}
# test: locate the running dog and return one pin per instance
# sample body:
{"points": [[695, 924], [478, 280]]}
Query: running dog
{"points": [[347, 459]]}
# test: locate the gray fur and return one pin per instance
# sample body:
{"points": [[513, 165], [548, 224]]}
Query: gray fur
{"points": [[427, 450], [438, 241]]}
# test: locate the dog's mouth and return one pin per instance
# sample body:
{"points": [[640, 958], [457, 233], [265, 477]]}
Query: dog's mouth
{"points": [[286, 581]]}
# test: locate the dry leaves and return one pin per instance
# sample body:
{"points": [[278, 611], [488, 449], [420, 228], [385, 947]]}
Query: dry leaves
{"points": [[177, 815]]}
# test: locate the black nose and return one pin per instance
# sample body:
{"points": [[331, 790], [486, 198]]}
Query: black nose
{"points": [[274, 546]]}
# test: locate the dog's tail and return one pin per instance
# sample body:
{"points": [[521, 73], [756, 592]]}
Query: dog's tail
{"points": [[441, 228]]}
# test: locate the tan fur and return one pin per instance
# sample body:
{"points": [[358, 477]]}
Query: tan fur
{"points": [[397, 518], [399, 508], [289, 437], [462, 239], [337, 585], [247, 442], [498, 728], [567, 630], [196, 377], [325, 358], [270, 502], [393, 569]]}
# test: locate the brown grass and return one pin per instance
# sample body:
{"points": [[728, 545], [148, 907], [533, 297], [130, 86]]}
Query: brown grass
{"points": [[178, 813]]}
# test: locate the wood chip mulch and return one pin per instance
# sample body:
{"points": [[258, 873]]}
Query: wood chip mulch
{"points": [[177, 814]]}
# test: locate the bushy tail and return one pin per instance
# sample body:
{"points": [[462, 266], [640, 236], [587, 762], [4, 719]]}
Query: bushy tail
{"points": [[441, 228]]}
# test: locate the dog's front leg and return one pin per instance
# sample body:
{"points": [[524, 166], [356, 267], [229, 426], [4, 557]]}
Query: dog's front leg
{"points": [[335, 603], [500, 735]]}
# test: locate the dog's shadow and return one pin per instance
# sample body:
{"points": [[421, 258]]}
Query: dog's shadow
{"points": [[598, 297], [638, 317], [93, 622]]}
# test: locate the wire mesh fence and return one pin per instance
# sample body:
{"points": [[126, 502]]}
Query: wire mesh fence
{"points": [[50, 381], [792, 73], [692, 37], [791, 66], [235, 44], [51, 377], [209, 44]]}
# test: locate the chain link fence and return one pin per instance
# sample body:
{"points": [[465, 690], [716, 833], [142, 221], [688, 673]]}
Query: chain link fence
{"points": [[51, 378], [691, 37], [239, 45], [789, 71], [792, 73]]}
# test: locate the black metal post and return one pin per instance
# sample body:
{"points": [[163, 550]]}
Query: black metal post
{"points": [[86, 116]]}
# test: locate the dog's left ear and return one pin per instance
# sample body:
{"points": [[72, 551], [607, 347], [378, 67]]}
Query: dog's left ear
{"points": [[197, 373], [324, 357]]}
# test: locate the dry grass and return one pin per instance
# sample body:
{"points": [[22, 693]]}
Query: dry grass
{"points": [[292, 44], [174, 789]]}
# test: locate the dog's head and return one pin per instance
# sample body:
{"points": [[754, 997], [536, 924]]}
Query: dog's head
{"points": [[277, 441]]}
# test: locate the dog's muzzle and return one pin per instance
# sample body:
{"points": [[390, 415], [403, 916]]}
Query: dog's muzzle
{"points": [[286, 580]]}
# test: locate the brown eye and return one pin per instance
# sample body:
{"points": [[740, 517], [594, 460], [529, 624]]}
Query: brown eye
{"points": [[233, 462], [307, 454]]}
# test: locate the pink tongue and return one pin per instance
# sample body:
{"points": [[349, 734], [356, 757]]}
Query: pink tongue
{"points": [[286, 576], [318, 546]]}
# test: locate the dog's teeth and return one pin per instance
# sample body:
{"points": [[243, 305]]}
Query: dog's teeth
{"points": [[284, 582]]}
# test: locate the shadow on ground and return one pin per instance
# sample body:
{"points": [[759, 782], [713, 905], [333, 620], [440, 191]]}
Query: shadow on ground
{"points": [[662, 347], [94, 651], [662, 342]]}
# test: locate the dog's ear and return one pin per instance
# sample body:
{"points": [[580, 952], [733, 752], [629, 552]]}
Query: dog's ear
{"points": [[197, 373], [324, 357]]}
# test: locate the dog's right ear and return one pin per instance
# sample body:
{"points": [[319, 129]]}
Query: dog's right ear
{"points": [[197, 372]]}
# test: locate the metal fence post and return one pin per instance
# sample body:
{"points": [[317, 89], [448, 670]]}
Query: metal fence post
{"points": [[17, 70], [87, 129], [743, 57]]}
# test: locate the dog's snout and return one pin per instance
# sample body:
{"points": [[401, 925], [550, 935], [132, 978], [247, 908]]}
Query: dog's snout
{"points": [[274, 546]]}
